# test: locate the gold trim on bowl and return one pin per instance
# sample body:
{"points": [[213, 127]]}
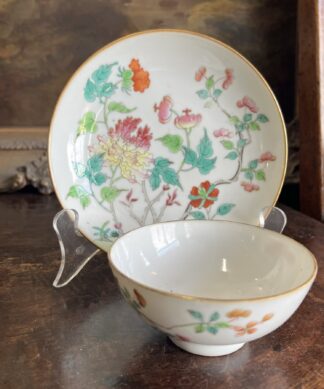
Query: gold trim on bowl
{"points": [[154, 31]]}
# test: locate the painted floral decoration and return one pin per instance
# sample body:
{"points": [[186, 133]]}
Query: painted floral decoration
{"points": [[122, 168]]}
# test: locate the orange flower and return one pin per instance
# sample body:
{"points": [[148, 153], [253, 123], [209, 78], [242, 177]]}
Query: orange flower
{"points": [[141, 78], [238, 313], [267, 317], [200, 73], [141, 300]]}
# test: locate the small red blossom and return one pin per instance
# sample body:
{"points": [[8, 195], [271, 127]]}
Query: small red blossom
{"points": [[249, 186], [118, 226], [248, 103], [223, 132], [141, 78], [129, 131], [188, 120], [172, 199], [200, 73], [165, 187], [204, 195], [164, 109], [229, 78], [267, 156]]}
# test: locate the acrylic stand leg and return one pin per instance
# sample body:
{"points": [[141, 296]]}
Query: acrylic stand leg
{"points": [[76, 250]]}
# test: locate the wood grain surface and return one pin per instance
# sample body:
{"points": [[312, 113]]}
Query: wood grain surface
{"points": [[86, 336], [43, 42]]}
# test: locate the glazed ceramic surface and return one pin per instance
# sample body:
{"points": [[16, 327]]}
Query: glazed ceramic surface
{"points": [[165, 125], [212, 285]]}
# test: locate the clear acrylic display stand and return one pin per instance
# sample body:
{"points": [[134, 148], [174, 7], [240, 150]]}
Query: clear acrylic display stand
{"points": [[76, 250]]}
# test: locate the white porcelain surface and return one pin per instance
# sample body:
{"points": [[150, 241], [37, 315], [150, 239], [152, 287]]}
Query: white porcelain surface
{"points": [[165, 125], [212, 283]]}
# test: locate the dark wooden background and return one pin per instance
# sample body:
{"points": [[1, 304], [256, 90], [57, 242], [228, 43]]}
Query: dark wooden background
{"points": [[42, 42]]}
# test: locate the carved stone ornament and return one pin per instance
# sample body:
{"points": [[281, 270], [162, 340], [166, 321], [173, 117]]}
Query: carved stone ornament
{"points": [[23, 159]]}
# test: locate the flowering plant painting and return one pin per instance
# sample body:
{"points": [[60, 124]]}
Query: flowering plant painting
{"points": [[237, 320], [124, 171]]}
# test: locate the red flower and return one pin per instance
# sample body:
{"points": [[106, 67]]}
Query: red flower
{"points": [[248, 103], [249, 187], [164, 109], [267, 156], [129, 131], [188, 120], [228, 79], [200, 73], [141, 78], [204, 195], [223, 132]]}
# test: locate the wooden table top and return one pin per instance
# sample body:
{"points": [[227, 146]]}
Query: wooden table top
{"points": [[85, 336]]}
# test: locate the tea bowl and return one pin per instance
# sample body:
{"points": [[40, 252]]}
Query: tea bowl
{"points": [[212, 286]]}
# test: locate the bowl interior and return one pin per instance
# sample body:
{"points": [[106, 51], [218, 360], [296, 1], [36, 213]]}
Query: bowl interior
{"points": [[207, 259]]}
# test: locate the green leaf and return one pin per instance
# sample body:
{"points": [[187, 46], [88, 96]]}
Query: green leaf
{"points": [[95, 163], [206, 165], [79, 169], [205, 148], [232, 155], [126, 76], [109, 194], [240, 127], [90, 91], [254, 126], [215, 316], [253, 164], [114, 106], [262, 118], [87, 124], [196, 314], [102, 73], [106, 90], [260, 175], [125, 292], [241, 143], [247, 117], [170, 176], [155, 179], [203, 94], [228, 144], [99, 179], [224, 209], [198, 215], [199, 328], [190, 156], [212, 330], [161, 163], [172, 142], [210, 82], [223, 324], [234, 120], [217, 93], [85, 201], [77, 191], [249, 175]]}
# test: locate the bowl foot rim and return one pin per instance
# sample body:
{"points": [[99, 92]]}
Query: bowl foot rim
{"points": [[206, 350]]}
